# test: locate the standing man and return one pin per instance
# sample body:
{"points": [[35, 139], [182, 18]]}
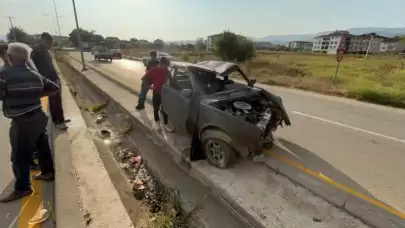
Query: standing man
{"points": [[21, 90], [6, 64], [144, 86], [156, 78], [43, 62]]}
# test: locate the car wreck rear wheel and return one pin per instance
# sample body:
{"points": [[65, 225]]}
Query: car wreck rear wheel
{"points": [[218, 153]]}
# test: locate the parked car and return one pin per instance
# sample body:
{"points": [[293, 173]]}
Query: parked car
{"points": [[117, 53], [145, 59], [101, 52], [230, 116]]}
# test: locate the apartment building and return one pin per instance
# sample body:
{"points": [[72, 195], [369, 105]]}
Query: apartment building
{"points": [[360, 44], [300, 45], [210, 42], [329, 43], [372, 42], [392, 45]]}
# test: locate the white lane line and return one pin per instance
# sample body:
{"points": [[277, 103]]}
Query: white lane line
{"points": [[351, 127]]}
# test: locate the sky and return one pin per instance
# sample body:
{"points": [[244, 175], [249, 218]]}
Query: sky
{"points": [[173, 20]]}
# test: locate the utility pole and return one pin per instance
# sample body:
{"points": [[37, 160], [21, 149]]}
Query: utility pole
{"points": [[369, 44], [79, 39], [12, 28], [57, 17]]}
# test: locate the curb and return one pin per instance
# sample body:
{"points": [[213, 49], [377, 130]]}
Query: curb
{"points": [[73, 200], [68, 209], [370, 211], [183, 161]]}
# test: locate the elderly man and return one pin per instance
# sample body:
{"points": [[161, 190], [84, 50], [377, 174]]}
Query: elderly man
{"points": [[21, 89], [43, 62]]}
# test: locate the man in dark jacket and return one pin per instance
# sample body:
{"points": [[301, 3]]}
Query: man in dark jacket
{"points": [[145, 85], [21, 90], [43, 62]]}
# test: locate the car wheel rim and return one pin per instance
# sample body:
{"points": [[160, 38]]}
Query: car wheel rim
{"points": [[215, 151]]}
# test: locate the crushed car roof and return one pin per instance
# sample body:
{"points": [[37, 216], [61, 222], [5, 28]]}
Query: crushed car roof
{"points": [[215, 66]]}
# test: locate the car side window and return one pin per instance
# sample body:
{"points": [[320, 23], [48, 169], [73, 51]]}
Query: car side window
{"points": [[180, 80]]}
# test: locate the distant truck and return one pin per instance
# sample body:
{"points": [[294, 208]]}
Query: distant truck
{"points": [[101, 52]]}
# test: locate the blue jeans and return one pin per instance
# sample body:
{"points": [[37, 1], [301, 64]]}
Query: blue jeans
{"points": [[142, 95]]}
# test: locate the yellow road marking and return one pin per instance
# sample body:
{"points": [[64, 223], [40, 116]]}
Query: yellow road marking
{"points": [[338, 185], [30, 204]]}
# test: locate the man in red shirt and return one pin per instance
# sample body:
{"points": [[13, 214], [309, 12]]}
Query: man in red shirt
{"points": [[156, 77]]}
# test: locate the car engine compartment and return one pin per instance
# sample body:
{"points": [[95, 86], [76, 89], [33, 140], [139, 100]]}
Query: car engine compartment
{"points": [[255, 109]]}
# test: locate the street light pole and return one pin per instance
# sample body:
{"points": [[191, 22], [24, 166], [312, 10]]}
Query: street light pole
{"points": [[57, 17], [79, 39], [12, 28]]}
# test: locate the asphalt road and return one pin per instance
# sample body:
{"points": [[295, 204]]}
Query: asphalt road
{"points": [[356, 144]]}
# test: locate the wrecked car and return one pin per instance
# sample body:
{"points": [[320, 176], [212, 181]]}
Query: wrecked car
{"points": [[228, 117]]}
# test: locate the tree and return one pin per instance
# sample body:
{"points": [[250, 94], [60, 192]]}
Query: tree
{"points": [[200, 45], [133, 40], [86, 36], [158, 44], [20, 35], [232, 47]]}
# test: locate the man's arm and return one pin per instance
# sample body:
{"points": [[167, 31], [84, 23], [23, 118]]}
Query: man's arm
{"points": [[50, 87], [147, 76]]}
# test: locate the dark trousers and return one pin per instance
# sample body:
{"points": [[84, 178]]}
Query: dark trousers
{"points": [[23, 144], [157, 101], [55, 106], [142, 94]]}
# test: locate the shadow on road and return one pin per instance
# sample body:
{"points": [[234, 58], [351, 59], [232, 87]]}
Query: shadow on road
{"points": [[311, 161]]}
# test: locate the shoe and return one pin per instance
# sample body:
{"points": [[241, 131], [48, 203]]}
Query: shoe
{"points": [[15, 195], [44, 177], [138, 107], [157, 126], [168, 128], [62, 126], [67, 121]]}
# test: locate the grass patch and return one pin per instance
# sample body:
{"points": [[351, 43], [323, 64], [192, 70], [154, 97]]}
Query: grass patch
{"points": [[377, 79]]}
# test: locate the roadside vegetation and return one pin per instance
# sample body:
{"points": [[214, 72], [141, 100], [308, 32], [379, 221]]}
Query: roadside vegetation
{"points": [[376, 79]]}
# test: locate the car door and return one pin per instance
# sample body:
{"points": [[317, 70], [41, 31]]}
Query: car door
{"points": [[174, 103]]}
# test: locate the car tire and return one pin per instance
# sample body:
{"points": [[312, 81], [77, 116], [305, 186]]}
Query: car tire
{"points": [[218, 153]]}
